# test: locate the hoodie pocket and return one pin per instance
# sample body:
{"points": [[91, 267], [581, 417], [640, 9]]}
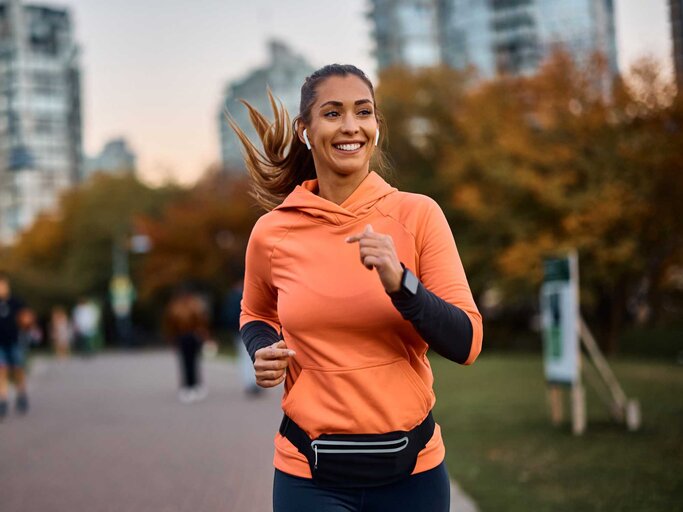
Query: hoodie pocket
{"points": [[375, 399]]}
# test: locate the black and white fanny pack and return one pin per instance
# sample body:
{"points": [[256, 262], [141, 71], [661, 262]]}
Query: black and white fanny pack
{"points": [[360, 460]]}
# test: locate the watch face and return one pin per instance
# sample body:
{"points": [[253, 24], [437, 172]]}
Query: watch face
{"points": [[410, 282]]}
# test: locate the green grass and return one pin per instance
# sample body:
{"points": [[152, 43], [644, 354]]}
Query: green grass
{"points": [[504, 452]]}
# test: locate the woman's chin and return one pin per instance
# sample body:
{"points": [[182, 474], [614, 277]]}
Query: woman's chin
{"points": [[351, 168]]}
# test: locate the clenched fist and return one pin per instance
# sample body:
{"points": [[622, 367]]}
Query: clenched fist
{"points": [[377, 251], [270, 364]]}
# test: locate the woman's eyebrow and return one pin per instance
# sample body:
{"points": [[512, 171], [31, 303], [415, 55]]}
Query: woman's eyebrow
{"points": [[334, 103], [337, 103]]}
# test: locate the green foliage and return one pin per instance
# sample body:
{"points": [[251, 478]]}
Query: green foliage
{"points": [[654, 342], [419, 108], [68, 253], [200, 239], [524, 168]]}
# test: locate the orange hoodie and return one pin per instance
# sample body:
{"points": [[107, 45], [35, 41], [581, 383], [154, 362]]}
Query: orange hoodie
{"points": [[359, 366]]}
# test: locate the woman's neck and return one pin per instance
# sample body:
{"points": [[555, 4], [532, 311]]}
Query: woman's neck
{"points": [[338, 187]]}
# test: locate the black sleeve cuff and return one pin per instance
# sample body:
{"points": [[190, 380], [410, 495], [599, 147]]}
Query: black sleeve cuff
{"points": [[256, 335], [445, 328]]}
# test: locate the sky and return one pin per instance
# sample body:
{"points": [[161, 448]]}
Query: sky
{"points": [[154, 71]]}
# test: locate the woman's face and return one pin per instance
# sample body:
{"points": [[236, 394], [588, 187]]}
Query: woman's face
{"points": [[343, 126]]}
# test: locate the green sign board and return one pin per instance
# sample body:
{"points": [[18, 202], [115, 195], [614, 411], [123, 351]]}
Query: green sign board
{"points": [[559, 320]]}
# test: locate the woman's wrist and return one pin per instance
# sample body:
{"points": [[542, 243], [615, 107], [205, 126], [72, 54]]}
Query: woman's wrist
{"points": [[395, 282]]}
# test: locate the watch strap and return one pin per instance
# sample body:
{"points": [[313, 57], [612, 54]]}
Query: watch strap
{"points": [[409, 285]]}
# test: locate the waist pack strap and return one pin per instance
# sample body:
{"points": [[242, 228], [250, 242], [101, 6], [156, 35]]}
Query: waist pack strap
{"points": [[296, 435]]}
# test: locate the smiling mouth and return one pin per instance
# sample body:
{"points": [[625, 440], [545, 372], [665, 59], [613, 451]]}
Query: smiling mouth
{"points": [[348, 147]]}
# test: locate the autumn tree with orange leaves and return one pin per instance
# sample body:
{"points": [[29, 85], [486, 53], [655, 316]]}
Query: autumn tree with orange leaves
{"points": [[530, 167], [200, 239], [67, 252], [196, 236], [525, 168]]}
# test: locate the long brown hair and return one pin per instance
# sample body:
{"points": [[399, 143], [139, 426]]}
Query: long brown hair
{"points": [[285, 162]]}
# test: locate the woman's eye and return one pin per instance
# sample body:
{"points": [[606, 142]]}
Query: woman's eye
{"points": [[365, 112], [331, 113]]}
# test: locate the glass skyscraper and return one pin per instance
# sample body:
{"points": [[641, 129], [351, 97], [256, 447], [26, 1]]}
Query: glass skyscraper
{"points": [[495, 36], [407, 32], [40, 114]]}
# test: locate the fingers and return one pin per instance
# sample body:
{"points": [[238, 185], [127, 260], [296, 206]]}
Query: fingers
{"points": [[275, 351], [269, 378], [382, 242], [367, 233], [270, 364], [371, 262], [372, 257], [377, 252], [375, 249], [269, 374], [264, 383]]}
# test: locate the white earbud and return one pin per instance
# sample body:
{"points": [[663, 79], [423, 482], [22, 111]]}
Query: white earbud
{"points": [[308, 143], [377, 137]]}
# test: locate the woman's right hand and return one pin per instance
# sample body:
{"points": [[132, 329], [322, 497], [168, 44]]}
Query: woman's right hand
{"points": [[270, 364]]}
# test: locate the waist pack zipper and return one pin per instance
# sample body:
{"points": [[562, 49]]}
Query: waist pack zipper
{"points": [[359, 446], [360, 460]]}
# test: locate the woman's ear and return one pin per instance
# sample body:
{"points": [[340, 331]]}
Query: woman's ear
{"points": [[302, 134], [306, 141]]}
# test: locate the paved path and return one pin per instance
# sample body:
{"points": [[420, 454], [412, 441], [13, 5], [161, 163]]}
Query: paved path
{"points": [[109, 435]]}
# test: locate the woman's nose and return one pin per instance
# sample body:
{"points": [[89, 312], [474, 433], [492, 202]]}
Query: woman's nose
{"points": [[350, 125]]}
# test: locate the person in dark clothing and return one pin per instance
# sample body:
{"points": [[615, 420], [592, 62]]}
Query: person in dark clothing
{"points": [[186, 323], [12, 353]]}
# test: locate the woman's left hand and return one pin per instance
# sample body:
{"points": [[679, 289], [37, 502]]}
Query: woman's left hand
{"points": [[377, 251]]}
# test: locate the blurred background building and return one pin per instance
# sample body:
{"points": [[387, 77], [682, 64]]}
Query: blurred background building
{"points": [[115, 157], [676, 11], [40, 112], [284, 74], [495, 36], [407, 32]]}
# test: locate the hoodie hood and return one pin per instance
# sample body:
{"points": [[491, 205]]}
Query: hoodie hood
{"points": [[305, 198]]}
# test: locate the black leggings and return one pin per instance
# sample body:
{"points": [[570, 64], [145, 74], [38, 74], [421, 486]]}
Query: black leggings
{"points": [[423, 492], [189, 348]]}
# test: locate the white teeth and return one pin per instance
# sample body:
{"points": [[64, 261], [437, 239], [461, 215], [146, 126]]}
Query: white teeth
{"points": [[348, 147]]}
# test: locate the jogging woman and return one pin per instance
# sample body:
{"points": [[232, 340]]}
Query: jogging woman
{"points": [[348, 283]]}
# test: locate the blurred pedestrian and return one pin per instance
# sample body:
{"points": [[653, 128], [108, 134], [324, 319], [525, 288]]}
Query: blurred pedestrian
{"points": [[61, 332], [231, 313], [86, 323], [30, 334], [186, 324], [12, 350]]}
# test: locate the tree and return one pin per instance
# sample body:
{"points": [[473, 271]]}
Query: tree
{"points": [[529, 167], [67, 253], [200, 238]]}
